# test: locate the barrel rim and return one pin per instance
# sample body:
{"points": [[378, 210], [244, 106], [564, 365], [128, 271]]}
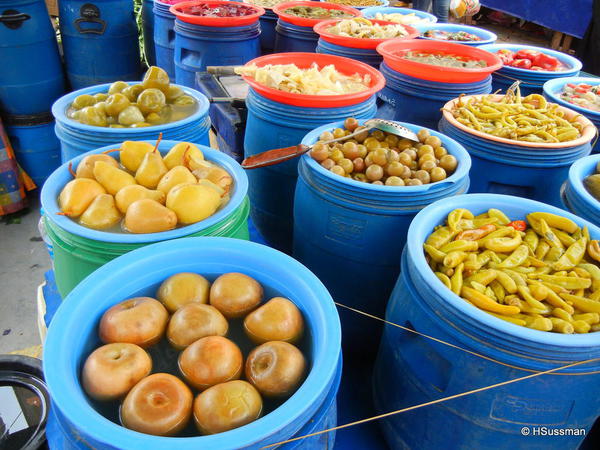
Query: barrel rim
{"points": [[322, 29], [422, 225], [554, 86], [62, 367], [280, 8], [51, 190], [455, 149], [488, 36], [589, 129], [576, 174], [59, 109]]}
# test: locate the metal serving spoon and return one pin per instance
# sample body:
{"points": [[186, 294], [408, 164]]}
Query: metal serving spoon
{"points": [[279, 155]]}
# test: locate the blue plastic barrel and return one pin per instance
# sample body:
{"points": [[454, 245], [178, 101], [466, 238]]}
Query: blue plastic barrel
{"points": [[100, 41], [533, 171], [294, 38], [140, 272], [267, 31], [553, 88], [487, 37], [411, 369], [36, 147], [77, 138], [351, 234], [576, 197], [32, 77], [271, 125], [198, 46], [366, 55], [164, 37], [148, 31], [370, 13], [419, 101], [532, 81]]}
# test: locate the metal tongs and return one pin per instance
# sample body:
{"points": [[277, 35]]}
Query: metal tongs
{"points": [[278, 155]]}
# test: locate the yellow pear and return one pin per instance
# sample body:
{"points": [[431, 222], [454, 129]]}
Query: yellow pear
{"points": [[135, 192], [133, 152], [177, 175], [101, 214], [216, 174], [85, 168], [175, 157], [111, 178], [151, 170], [149, 216], [77, 195], [193, 202]]}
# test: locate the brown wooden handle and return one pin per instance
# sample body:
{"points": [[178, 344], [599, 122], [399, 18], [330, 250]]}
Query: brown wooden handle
{"points": [[275, 156]]}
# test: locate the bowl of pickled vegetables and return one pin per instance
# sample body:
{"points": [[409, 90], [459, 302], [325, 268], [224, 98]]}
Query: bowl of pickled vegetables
{"points": [[456, 33], [443, 62], [404, 16], [579, 93], [362, 33], [308, 14], [359, 4], [217, 13]]}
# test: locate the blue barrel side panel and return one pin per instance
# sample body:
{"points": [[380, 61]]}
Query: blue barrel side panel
{"points": [[294, 38], [164, 38], [148, 30]]}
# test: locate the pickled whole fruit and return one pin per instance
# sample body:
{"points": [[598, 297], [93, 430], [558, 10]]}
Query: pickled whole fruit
{"points": [[235, 294], [182, 288]]}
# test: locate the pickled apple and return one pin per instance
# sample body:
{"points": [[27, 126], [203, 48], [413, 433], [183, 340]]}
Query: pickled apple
{"points": [[175, 156], [111, 178], [177, 175], [85, 168], [156, 78], [77, 195], [133, 152], [116, 103], [135, 192], [101, 214], [149, 216], [592, 184], [130, 115], [193, 202], [151, 170]]}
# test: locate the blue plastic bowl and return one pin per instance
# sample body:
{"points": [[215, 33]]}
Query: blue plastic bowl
{"points": [[61, 176], [487, 37], [73, 335], [576, 197], [369, 13]]}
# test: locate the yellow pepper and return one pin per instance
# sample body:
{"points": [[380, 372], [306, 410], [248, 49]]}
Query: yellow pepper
{"points": [[440, 237], [555, 221], [516, 258], [582, 303], [434, 253], [460, 246], [503, 244]]}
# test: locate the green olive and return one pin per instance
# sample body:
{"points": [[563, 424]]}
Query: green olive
{"points": [[130, 115], [151, 101], [116, 103], [184, 100], [173, 92], [157, 78], [92, 116], [132, 92], [81, 101], [116, 87]]}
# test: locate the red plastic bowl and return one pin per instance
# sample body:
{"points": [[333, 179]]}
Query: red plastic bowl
{"points": [[393, 50], [179, 11], [322, 30], [305, 22], [343, 65]]}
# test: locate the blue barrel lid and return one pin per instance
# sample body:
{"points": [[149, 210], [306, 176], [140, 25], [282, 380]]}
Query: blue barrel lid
{"points": [[553, 88], [487, 37], [369, 13], [61, 176]]}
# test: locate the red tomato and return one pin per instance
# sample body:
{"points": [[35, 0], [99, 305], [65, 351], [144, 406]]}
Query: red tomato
{"points": [[526, 54], [519, 225], [506, 56], [521, 63], [546, 62]]}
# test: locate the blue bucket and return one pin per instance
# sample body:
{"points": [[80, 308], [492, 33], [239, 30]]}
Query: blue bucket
{"points": [[36, 147], [553, 88], [148, 31], [533, 171], [271, 125], [140, 272], [267, 31], [532, 81], [77, 138], [576, 197], [31, 78], [419, 101], [411, 369], [487, 37], [366, 55], [198, 46], [100, 41], [164, 37], [351, 234], [294, 38], [370, 13]]}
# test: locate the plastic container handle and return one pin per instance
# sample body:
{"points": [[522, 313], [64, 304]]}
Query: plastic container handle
{"points": [[275, 156], [90, 14], [13, 19]]}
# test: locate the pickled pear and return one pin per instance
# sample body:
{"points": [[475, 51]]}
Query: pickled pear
{"points": [[85, 168], [215, 174], [212, 185], [133, 152], [101, 214], [111, 178], [592, 183], [149, 216], [193, 202], [77, 195], [151, 170], [175, 156], [177, 175], [135, 192]]}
